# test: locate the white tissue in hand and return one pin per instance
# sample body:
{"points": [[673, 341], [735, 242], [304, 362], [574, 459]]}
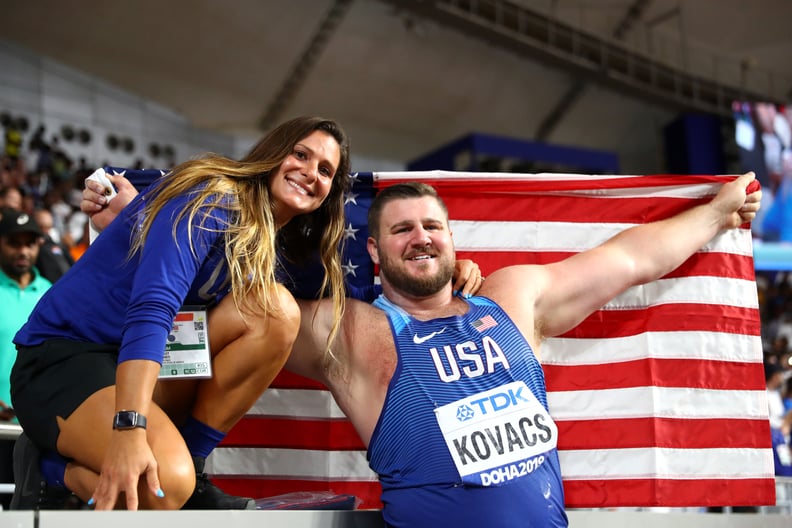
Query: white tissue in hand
{"points": [[100, 177]]}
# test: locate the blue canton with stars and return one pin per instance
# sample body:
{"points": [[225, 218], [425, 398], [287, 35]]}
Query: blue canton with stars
{"points": [[358, 268]]}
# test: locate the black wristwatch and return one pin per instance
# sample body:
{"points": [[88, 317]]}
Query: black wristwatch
{"points": [[128, 420]]}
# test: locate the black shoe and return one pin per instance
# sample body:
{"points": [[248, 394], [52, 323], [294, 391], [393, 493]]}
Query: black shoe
{"points": [[207, 496], [31, 492]]}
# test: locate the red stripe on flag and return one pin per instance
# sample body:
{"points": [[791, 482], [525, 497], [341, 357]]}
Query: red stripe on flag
{"points": [[668, 318], [669, 492], [289, 380], [676, 433], [716, 265], [580, 209], [448, 184], [294, 433], [658, 372], [367, 491]]}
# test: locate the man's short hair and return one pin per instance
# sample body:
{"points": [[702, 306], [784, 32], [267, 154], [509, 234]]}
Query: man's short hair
{"points": [[399, 191]]}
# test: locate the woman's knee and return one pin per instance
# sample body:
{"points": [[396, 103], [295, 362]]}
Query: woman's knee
{"points": [[176, 471], [177, 480], [280, 325], [277, 328], [288, 314]]}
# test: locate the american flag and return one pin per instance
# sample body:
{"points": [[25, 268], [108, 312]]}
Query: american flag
{"points": [[484, 323], [659, 396]]}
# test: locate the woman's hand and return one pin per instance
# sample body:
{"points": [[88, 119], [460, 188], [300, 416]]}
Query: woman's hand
{"points": [[467, 278], [128, 454], [95, 204], [128, 457]]}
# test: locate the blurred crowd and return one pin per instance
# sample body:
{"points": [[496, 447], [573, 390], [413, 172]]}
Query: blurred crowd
{"points": [[775, 301], [39, 178]]}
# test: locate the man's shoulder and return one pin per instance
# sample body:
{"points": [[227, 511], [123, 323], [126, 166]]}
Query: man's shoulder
{"points": [[513, 283], [359, 312], [365, 327]]}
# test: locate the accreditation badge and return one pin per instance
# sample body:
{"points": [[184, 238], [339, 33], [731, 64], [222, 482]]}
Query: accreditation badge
{"points": [[498, 435], [187, 349]]}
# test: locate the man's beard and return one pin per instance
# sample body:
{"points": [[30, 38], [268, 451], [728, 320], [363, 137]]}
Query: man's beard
{"points": [[398, 277]]}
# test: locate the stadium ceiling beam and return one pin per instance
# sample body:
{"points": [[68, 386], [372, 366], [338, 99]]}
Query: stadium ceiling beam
{"points": [[533, 35], [578, 87], [304, 64]]}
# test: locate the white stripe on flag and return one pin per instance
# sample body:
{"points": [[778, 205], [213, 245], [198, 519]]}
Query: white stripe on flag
{"points": [[668, 402], [706, 290], [297, 402], [663, 345], [294, 463], [565, 237]]}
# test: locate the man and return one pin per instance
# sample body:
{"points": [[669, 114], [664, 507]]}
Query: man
{"points": [[54, 259], [453, 408], [21, 286]]}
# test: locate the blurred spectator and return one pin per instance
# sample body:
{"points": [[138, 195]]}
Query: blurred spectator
{"points": [[40, 152], [75, 233], [780, 419], [11, 198], [36, 186], [56, 204], [13, 141], [774, 379], [54, 258], [61, 162], [21, 287], [786, 394], [779, 349], [80, 245]]}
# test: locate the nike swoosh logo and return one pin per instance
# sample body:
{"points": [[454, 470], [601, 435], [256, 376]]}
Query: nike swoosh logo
{"points": [[418, 340]]}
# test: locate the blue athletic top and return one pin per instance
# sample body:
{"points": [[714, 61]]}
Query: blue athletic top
{"points": [[464, 438], [108, 297]]}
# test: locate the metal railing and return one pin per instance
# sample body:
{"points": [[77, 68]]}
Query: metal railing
{"points": [[677, 75]]}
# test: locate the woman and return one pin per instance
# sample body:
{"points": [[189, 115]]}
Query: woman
{"points": [[90, 355]]}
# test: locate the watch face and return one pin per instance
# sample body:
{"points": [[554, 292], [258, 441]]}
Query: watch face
{"points": [[126, 419]]}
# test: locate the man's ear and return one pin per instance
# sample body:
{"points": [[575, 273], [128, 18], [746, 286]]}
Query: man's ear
{"points": [[371, 247]]}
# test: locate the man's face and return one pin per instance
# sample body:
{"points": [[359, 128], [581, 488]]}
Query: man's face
{"points": [[415, 251], [18, 253]]}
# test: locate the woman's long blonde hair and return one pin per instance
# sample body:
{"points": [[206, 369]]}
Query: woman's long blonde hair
{"points": [[253, 244]]}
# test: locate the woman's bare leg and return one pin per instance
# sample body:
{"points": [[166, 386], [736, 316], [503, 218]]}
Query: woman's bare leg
{"points": [[85, 435]]}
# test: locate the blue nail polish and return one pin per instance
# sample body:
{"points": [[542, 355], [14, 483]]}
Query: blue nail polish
{"points": [[455, 293], [468, 296], [160, 493], [91, 501]]}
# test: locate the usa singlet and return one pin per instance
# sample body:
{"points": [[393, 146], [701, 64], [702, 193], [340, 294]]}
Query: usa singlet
{"points": [[464, 437]]}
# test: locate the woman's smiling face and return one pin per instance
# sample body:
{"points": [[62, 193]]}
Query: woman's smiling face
{"points": [[304, 178]]}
